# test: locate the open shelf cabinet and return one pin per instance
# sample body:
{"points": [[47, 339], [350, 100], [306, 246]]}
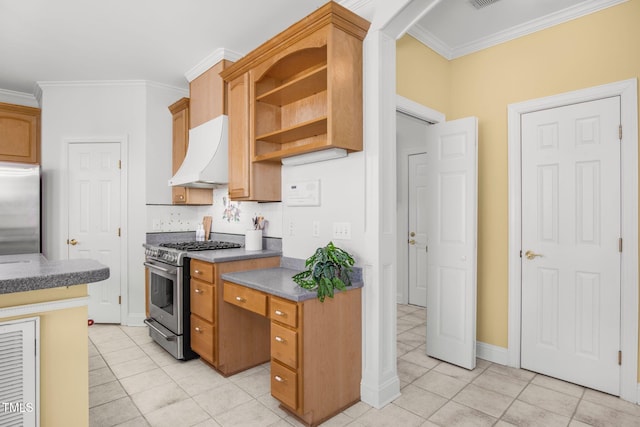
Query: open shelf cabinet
{"points": [[303, 88]]}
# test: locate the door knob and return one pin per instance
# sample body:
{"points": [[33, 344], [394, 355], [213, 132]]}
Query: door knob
{"points": [[412, 242], [531, 255], [412, 234], [72, 242]]}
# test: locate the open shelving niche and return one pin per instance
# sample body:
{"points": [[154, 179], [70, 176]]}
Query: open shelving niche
{"points": [[291, 101]]}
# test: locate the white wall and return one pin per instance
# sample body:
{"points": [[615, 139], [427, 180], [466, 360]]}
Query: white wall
{"points": [[159, 142], [342, 187], [101, 110]]}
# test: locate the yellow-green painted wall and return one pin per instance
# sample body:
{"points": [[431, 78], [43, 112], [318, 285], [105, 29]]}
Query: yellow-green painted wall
{"points": [[599, 48], [422, 75], [64, 356]]}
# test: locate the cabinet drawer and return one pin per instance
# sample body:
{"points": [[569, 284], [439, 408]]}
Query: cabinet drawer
{"points": [[284, 345], [284, 385], [284, 311], [202, 270], [247, 298], [203, 336], [203, 300]]}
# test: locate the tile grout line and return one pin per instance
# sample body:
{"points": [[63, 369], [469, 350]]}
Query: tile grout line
{"points": [[128, 396]]}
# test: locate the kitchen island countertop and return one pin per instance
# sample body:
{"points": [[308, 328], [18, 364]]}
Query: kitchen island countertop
{"points": [[278, 282], [31, 272]]}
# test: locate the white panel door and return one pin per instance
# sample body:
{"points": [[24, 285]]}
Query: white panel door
{"points": [[452, 238], [94, 220], [570, 232], [418, 219]]}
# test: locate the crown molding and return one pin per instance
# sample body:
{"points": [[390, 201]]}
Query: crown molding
{"points": [[430, 40], [98, 83], [19, 98], [560, 17], [211, 60], [364, 8]]}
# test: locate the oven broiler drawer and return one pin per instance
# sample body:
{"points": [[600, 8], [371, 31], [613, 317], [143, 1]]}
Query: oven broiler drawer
{"points": [[164, 337]]}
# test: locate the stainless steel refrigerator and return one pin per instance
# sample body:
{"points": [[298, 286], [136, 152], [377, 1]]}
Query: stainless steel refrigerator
{"points": [[19, 208]]}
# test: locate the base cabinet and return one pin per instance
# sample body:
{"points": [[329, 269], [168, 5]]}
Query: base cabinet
{"points": [[315, 350], [229, 338]]}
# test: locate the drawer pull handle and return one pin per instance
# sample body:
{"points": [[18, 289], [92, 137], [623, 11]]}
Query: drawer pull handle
{"points": [[279, 379], [197, 271], [198, 329], [240, 299], [199, 291], [279, 313], [280, 339]]}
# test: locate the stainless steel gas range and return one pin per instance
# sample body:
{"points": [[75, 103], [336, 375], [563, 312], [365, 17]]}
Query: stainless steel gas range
{"points": [[168, 277]]}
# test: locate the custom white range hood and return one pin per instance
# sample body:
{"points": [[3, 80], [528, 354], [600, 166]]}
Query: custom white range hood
{"points": [[206, 163]]}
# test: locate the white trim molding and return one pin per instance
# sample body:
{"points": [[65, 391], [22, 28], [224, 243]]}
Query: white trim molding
{"points": [[43, 307], [18, 98], [452, 52], [627, 90], [419, 111], [211, 60], [492, 353]]}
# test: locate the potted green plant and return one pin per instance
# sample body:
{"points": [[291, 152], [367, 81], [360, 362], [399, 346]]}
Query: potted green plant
{"points": [[326, 270]]}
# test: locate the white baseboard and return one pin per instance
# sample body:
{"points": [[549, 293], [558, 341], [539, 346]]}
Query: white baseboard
{"points": [[381, 396], [492, 353]]}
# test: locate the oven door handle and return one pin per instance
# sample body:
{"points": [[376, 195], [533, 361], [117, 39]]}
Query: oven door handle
{"points": [[155, 267], [166, 337]]}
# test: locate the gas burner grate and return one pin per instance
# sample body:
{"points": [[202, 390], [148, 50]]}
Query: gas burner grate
{"points": [[201, 246]]}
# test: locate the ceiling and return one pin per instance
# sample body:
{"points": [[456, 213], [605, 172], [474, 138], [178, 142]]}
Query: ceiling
{"points": [[161, 40]]}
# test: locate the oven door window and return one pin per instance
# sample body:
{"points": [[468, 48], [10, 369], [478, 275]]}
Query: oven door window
{"points": [[161, 290]]}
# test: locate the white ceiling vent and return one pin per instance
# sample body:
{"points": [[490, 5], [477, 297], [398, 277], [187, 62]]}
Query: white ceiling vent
{"points": [[479, 4]]}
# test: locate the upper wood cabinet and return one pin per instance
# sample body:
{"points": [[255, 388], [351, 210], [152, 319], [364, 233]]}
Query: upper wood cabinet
{"points": [[19, 133], [184, 195], [299, 92], [247, 180], [208, 95]]}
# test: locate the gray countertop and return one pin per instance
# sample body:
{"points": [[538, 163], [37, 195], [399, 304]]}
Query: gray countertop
{"points": [[30, 272], [227, 255], [276, 281]]}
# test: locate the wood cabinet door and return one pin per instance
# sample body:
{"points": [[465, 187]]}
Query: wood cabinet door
{"points": [[19, 134], [183, 195], [239, 161]]}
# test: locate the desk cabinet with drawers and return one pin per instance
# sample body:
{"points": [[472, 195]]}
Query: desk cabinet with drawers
{"points": [[225, 335], [315, 349]]}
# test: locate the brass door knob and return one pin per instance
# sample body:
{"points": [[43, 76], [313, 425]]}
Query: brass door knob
{"points": [[412, 242], [531, 255], [412, 234], [72, 242]]}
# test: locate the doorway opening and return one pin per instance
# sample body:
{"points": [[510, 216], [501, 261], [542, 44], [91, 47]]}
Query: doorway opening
{"points": [[412, 119]]}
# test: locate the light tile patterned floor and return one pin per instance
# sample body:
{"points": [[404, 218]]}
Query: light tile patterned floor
{"points": [[134, 382]]}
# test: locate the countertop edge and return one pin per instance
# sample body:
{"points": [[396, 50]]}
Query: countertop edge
{"points": [[44, 274], [220, 255], [278, 282]]}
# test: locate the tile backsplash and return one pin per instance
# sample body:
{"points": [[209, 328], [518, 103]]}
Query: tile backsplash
{"points": [[228, 217]]}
